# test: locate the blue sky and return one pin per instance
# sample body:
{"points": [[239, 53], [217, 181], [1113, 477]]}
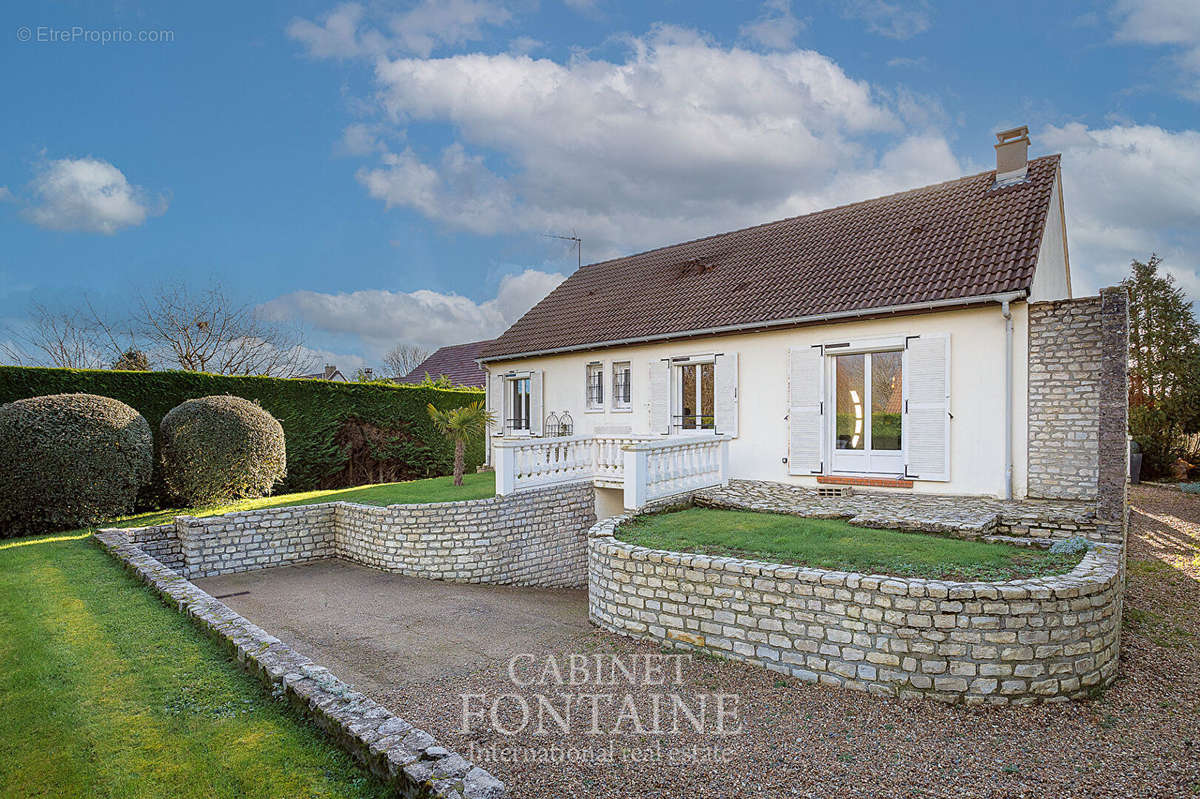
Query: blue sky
{"points": [[386, 172]]}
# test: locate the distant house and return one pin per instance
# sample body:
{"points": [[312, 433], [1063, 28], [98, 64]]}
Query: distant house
{"points": [[456, 362], [331, 373]]}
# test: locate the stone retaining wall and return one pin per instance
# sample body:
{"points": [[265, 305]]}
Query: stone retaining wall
{"points": [[257, 539], [405, 757], [534, 538], [1017, 642], [527, 538]]}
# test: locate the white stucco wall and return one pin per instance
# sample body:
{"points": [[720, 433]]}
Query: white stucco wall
{"points": [[1052, 276], [976, 396]]}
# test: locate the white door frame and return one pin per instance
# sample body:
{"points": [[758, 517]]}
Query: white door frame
{"points": [[867, 461]]}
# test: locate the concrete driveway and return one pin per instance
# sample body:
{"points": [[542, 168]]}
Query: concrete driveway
{"points": [[385, 631]]}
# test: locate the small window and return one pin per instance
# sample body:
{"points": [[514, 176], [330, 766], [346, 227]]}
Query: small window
{"points": [[622, 375], [595, 386], [694, 396], [518, 403]]}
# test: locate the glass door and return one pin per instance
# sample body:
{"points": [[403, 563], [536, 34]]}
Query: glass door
{"points": [[868, 412]]}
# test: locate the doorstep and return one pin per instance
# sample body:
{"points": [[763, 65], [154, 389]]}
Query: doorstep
{"points": [[865, 482]]}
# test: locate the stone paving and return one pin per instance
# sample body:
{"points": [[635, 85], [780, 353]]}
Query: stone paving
{"points": [[963, 516]]}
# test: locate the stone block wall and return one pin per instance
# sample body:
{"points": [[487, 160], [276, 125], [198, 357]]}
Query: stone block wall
{"points": [[528, 538], [1017, 642], [259, 539], [1078, 350], [534, 538]]}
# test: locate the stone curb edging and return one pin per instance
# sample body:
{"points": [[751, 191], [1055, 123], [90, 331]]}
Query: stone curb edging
{"points": [[403, 756]]}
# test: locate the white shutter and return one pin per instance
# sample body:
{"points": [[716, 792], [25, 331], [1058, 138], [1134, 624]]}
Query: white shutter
{"points": [[725, 394], [659, 387], [535, 402], [806, 405], [927, 407], [497, 404]]}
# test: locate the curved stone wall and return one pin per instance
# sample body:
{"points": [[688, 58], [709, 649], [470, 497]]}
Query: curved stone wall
{"points": [[1016, 642]]}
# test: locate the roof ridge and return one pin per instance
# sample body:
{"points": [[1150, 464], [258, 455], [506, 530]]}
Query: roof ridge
{"points": [[829, 210]]}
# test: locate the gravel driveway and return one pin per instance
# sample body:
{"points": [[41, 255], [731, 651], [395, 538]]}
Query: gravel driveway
{"points": [[1140, 738]]}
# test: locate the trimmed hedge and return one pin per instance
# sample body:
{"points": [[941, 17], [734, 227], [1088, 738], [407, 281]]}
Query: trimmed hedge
{"points": [[221, 448], [323, 421], [70, 460]]}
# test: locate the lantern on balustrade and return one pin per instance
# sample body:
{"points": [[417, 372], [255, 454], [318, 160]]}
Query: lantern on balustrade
{"points": [[566, 425], [552, 424]]}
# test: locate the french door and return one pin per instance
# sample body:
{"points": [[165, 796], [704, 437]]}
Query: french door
{"points": [[868, 390]]}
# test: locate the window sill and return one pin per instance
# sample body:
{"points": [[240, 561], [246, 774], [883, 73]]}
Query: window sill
{"points": [[593, 410], [622, 410]]}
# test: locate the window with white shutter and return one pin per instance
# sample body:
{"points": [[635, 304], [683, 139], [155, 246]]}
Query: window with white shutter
{"points": [[806, 400], [927, 407]]}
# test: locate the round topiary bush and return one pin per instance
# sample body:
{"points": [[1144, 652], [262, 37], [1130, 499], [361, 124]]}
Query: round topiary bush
{"points": [[70, 460], [220, 448]]}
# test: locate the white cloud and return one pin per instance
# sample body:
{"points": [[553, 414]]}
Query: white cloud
{"points": [[351, 31], [1130, 190], [90, 195], [1167, 23], [380, 319], [901, 19], [6, 196], [680, 138], [361, 139], [776, 28]]}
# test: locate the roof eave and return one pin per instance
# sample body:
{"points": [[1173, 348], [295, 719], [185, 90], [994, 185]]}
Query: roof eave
{"points": [[835, 316]]}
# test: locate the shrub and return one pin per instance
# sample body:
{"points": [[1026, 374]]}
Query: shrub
{"points": [[220, 448], [1071, 546], [315, 415], [70, 460]]}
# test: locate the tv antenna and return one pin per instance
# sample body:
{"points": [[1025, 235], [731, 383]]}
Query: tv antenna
{"points": [[578, 246]]}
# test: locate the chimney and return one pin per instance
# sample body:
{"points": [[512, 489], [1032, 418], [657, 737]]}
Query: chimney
{"points": [[330, 370], [1012, 154]]}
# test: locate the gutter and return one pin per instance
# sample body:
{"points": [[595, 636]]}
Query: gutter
{"points": [[916, 307]]}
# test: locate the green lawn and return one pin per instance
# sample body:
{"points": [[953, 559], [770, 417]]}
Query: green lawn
{"points": [[105, 692], [835, 544], [433, 489]]}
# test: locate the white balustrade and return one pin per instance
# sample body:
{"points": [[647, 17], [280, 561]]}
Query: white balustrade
{"points": [[662, 468], [648, 467]]}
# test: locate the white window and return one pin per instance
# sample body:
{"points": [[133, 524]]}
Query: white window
{"points": [[873, 407], [518, 404], [622, 385], [693, 394], [595, 386], [694, 397]]}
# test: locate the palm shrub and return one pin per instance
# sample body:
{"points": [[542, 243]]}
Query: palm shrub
{"points": [[461, 426], [221, 448], [70, 460]]}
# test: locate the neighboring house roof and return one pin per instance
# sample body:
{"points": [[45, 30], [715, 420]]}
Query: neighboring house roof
{"points": [[331, 372], [958, 239], [456, 362]]}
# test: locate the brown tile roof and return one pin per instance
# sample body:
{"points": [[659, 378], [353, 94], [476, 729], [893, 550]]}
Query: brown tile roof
{"points": [[456, 362], [951, 240]]}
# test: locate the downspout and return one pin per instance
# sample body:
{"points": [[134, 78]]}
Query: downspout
{"points": [[1006, 312]]}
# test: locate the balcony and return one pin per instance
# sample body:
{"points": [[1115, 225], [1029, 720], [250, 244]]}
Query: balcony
{"points": [[646, 468]]}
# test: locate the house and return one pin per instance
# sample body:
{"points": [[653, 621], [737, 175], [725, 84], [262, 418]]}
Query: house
{"points": [[331, 372], [457, 362], [926, 341]]}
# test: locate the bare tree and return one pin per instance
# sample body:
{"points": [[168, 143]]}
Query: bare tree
{"points": [[403, 358], [65, 338], [207, 332]]}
